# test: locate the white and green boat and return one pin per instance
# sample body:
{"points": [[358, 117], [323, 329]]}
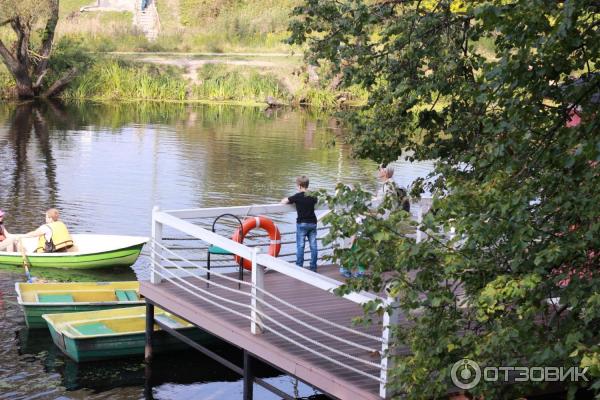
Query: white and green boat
{"points": [[89, 251]]}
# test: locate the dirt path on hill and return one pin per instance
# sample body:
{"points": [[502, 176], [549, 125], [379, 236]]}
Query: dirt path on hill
{"points": [[190, 63], [191, 66]]}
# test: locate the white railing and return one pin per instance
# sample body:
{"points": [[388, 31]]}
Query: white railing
{"points": [[258, 299]]}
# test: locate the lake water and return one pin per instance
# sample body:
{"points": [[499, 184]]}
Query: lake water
{"points": [[104, 167]]}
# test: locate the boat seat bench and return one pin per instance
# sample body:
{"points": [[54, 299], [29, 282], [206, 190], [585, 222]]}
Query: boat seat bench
{"points": [[126, 295], [93, 328], [212, 249], [55, 298]]}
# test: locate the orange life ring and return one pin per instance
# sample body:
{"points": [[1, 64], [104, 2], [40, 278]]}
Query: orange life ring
{"points": [[261, 222]]}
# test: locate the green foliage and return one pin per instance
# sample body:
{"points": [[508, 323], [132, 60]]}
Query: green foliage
{"points": [[319, 98], [30, 11], [485, 89], [229, 25], [6, 83], [69, 52]]}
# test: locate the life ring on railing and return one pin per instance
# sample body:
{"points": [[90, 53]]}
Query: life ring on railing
{"points": [[261, 222]]}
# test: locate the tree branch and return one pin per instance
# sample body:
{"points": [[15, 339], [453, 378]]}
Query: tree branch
{"points": [[8, 58], [47, 39], [60, 85]]}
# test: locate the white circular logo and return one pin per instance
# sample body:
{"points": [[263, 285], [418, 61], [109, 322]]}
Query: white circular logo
{"points": [[465, 374]]}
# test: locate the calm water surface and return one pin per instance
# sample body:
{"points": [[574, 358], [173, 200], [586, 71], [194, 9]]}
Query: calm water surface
{"points": [[105, 167]]}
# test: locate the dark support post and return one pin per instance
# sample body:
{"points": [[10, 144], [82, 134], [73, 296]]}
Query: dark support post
{"points": [[208, 267], [148, 382], [248, 376], [149, 331]]}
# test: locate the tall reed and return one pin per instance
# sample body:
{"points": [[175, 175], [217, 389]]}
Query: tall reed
{"points": [[218, 82], [110, 79]]}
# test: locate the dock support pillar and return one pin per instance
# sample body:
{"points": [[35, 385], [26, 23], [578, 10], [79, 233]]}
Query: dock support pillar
{"points": [[149, 331], [248, 376], [148, 395]]}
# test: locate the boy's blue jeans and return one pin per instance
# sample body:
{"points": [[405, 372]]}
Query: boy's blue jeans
{"points": [[302, 231]]}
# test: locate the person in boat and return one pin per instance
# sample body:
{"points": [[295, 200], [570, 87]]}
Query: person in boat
{"points": [[53, 236], [8, 241], [306, 223]]}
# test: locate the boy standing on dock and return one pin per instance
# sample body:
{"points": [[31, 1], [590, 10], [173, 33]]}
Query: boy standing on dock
{"points": [[306, 223]]}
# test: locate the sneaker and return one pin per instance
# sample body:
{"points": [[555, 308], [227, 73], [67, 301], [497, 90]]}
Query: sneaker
{"points": [[345, 273], [313, 269], [359, 274]]}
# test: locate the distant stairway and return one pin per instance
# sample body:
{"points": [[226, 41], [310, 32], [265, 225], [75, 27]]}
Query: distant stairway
{"points": [[147, 20]]}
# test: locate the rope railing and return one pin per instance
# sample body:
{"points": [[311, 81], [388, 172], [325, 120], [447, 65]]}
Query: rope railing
{"points": [[172, 279], [332, 360], [229, 278], [192, 289], [200, 297], [306, 251], [249, 244]]}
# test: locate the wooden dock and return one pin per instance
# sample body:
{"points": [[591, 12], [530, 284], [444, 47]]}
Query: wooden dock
{"points": [[279, 313], [322, 374]]}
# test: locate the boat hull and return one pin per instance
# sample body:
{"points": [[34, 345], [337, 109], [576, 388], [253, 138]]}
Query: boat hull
{"points": [[114, 258], [107, 334], [37, 299], [129, 345]]}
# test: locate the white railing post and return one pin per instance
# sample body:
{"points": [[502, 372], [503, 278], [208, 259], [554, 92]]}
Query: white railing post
{"points": [[419, 221], [390, 318], [157, 228], [258, 284]]}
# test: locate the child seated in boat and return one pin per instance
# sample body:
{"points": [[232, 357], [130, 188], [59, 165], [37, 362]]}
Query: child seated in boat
{"points": [[7, 240], [53, 235]]}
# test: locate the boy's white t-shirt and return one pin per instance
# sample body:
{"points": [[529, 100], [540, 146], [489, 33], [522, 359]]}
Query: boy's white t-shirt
{"points": [[47, 232]]}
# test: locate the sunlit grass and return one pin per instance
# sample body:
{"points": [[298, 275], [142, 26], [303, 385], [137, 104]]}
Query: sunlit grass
{"points": [[113, 80], [6, 83], [218, 82]]}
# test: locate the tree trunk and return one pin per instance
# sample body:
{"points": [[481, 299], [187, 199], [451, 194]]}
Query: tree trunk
{"points": [[24, 86], [29, 72]]}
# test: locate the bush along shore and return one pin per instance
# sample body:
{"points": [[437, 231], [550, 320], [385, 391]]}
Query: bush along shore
{"points": [[107, 78]]}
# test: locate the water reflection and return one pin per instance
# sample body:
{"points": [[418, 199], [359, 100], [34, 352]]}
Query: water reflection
{"points": [[27, 120], [105, 166]]}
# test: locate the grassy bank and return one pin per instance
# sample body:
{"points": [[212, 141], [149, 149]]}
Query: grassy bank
{"points": [[107, 79]]}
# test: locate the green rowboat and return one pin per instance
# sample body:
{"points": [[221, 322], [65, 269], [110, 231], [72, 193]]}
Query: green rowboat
{"points": [[37, 299], [88, 251], [120, 332]]}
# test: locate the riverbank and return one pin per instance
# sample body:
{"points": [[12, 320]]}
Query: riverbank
{"points": [[246, 79]]}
